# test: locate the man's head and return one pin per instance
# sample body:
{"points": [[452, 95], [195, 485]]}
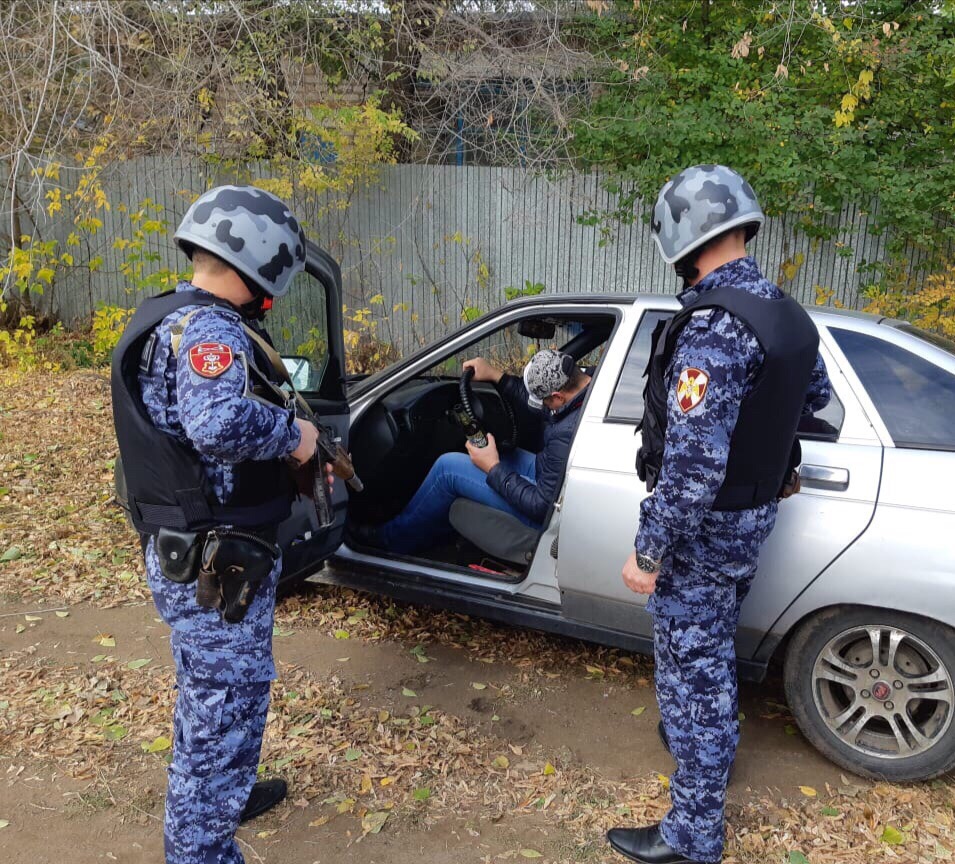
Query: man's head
{"points": [[704, 216], [553, 379], [250, 233]]}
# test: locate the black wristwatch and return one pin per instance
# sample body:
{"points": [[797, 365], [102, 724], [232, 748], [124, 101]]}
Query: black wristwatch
{"points": [[647, 564]]}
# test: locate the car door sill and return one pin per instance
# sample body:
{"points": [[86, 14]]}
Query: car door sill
{"points": [[384, 557]]}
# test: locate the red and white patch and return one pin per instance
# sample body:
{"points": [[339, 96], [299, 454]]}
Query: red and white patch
{"points": [[691, 389], [210, 359]]}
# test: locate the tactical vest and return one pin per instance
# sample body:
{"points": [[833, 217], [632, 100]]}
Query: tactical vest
{"points": [[763, 448], [166, 483]]}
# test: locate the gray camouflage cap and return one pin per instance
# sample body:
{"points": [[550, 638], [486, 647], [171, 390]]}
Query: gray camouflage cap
{"points": [[700, 203], [547, 372], [250, 229]]}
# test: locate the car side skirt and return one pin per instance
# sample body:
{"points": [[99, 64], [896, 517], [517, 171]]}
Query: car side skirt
{"points": [[493, 607]]}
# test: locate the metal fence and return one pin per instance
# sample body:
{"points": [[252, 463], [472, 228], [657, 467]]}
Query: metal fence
{"points": [[426, 246]]}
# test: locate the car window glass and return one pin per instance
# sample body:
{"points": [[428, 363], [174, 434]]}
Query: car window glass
{"points": [[508, 350], [824, 425], [627, 402], [914, 398], [298, 325]]}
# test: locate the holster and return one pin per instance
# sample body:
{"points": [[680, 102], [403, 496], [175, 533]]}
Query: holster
{"points": [[234, 564], [179, 554]]}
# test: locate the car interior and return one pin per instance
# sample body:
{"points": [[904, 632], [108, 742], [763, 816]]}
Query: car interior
{"points": [[397, 440]]}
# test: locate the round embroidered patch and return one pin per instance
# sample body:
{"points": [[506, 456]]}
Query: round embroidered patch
{"points": [[210, 359], [691, 388]]}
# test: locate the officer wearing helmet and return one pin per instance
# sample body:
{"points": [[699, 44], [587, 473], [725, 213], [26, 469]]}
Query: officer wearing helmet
{"points": [[730, 376], [204, 457]]}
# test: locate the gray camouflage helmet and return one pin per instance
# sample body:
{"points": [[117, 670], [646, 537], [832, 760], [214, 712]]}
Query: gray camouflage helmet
{"points": [[250, 229], [699, 204]]}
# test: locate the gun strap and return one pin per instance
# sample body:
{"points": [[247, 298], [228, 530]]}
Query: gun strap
{"points": [[275, 360], [278, 367]]}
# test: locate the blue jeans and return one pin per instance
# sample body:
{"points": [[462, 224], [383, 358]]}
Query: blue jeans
{"points": [[425, 520]]}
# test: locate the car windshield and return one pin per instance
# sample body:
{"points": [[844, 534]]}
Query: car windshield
{"points": [[935, 339]]}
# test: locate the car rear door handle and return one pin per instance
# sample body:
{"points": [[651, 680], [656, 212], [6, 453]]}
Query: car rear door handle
{"points": [[824, 477]]}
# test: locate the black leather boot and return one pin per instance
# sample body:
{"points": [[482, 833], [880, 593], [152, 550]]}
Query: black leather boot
{"points": [[264, 796], [645, 846]]}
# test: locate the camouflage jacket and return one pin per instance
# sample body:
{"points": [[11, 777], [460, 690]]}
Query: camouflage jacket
{"points": [[198, 395], [697, 443]]}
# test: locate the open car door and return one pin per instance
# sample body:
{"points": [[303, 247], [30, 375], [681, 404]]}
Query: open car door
{"points": [[306, 326]]}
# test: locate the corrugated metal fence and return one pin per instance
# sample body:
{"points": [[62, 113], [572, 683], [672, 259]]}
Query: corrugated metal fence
{"points": [[424, 246]]}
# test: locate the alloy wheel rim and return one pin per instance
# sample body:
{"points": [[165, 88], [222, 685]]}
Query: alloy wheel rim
{"points": [[883, 692]]}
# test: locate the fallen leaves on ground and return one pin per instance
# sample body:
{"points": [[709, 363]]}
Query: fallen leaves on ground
{"points": [[69, 541]]}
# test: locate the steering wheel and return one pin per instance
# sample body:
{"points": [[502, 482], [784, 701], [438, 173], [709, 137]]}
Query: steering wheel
{"points": [[474, 408]]}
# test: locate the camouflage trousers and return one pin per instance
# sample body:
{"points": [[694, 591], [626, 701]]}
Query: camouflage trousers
{"points": [[698, 698], [223, 675]]}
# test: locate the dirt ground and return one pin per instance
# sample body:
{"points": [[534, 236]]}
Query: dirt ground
{"points": [[578, 720], [407, 734]]}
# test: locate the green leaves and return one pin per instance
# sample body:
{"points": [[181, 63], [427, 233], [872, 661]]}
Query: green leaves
{"points": [[792, 116], [892, 836], [796, 857], [116, 733], [418, 653]]}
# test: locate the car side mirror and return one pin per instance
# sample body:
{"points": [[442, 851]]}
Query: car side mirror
{"points": [[299, 370]]}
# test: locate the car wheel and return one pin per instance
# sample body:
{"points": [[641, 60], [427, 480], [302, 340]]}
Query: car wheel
{"points": [[874, 691]]}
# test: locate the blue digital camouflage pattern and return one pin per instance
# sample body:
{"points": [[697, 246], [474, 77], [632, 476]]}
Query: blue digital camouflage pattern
{"points": [[708, 559], [222, 670]]}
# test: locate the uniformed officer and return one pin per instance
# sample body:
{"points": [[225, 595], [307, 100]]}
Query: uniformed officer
{"points": [[203, 452], [729, 378]]}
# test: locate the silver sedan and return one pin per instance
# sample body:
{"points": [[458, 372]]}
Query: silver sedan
{"points": [[854, 594]]}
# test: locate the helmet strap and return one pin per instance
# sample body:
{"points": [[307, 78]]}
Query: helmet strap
{"points": [[261, 303], [687, 270]]}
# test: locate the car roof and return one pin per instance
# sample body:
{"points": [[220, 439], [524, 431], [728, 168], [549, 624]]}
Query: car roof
{"points": [[670, 300]]}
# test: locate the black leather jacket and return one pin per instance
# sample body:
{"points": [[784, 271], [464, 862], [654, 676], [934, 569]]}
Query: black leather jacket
{"points": [[555, 433]]}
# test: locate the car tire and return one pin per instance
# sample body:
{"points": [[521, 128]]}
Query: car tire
{"points": [[873, 691]]}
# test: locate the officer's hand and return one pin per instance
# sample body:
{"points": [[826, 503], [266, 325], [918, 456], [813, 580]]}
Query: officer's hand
{"points": [[306, 447], [329, 471], [483, 371], [636, 580], [484, 457]]}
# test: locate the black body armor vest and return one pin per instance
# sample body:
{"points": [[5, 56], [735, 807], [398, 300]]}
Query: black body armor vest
{"points": [[763, 448], [166, 484]]}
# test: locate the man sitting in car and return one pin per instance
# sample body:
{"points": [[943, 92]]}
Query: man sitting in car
{"points": [[524, 484]]}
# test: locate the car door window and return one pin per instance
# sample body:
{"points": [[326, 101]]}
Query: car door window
{"points": [[914, 397], [298, 325], [823, 425], [627, 403]]}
